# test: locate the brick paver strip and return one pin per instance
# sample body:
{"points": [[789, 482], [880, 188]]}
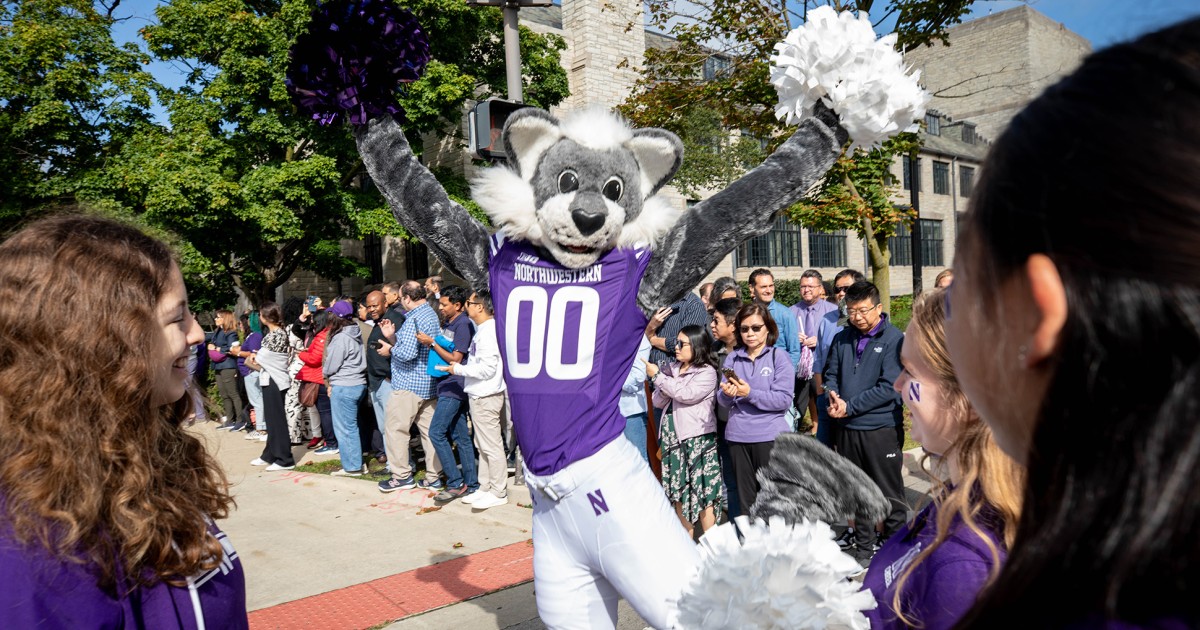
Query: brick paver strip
{"points": [[404, 594]]}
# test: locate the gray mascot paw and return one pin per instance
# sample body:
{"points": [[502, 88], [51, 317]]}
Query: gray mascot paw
{"points": [[806, 479]]}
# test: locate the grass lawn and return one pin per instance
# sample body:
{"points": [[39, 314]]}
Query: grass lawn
{"points": [[377, 472]]}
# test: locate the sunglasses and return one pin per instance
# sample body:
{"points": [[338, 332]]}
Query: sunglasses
{"points": [[755, 328]]}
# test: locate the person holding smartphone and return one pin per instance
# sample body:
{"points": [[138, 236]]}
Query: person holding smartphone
{"points": [[757, 386]]}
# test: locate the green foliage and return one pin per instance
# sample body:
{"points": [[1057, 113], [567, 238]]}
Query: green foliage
{"points": [[901, 311], [711, 156], [69, 98]]}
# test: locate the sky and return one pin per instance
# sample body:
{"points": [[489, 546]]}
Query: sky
{"points": [[1101, 22]]}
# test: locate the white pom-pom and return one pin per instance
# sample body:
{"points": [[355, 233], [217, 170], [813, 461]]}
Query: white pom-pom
{"points": [[779, 576], [835, 57]]}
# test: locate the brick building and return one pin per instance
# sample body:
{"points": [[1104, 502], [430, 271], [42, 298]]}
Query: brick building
{"points": [[999, 62]]}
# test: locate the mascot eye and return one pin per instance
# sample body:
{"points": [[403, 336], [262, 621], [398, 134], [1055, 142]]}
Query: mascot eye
{"points": [[568, 181], [613, 188]]}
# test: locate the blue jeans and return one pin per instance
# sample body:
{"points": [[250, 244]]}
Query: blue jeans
{"points": [[344, 407], [255, 395], [450, 423], [635, 431], [379, 397]]}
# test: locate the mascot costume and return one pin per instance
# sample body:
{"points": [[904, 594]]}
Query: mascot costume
{"points": [[583, 252]]}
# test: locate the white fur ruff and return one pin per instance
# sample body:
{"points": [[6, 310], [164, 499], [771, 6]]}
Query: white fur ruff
{"points": [[835, 57], [509, 202], [780, 576], [657, 218]]}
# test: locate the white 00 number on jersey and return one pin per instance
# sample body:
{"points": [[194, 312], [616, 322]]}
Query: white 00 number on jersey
{"points": [[546, 329]]}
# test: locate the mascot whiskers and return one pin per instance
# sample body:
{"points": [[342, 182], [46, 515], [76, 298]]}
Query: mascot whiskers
{"points": [[583, 252]]}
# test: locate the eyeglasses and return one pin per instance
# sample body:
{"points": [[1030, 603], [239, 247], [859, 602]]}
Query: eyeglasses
{"points": [[753, 328], [810, 288], [470, 303], [862, 311], [843, 289], [682, 344]]}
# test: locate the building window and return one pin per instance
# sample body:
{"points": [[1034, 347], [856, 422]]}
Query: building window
{"points": [[933, 124], [900, 246], [908, 173], [827, 249], [416, 260], [931, 245], [941, 178], [715, 66], [778, 248], [968, 133], [966, 180], [373, 257]]}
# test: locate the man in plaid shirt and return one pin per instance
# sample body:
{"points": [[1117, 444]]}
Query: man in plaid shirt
{"points": [[412, 397]]}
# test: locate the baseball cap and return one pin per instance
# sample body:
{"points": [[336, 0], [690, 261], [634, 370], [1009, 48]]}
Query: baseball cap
{"points": [[342, 309]]}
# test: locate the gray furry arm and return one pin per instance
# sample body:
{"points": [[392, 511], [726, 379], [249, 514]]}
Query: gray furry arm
{"points": [[806, 479], [419, 202], [714, 227]]}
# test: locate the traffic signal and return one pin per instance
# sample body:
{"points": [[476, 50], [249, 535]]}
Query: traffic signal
{"points": [[485, 123]]}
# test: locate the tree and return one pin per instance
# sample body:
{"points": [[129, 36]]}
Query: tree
{"points": [[70, 97], [720, 61], [254, 189], [856, 195]]}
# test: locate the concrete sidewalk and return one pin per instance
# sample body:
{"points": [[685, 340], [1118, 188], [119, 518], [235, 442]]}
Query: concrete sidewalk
{"points": [[330, 552]]}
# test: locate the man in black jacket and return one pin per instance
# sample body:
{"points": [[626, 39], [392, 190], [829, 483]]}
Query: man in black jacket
{"points": [[863, 363], [379, 362]]}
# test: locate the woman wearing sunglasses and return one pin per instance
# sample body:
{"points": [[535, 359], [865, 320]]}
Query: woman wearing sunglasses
{"points": [[757, 388]]}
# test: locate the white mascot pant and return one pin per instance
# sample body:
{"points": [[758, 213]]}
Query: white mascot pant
{"points": [[602, 530]]}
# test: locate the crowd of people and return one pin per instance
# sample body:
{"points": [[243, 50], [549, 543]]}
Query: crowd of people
{"points": [[357, 378], [1067, 496]]}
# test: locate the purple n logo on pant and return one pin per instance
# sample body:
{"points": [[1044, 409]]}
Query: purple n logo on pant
{"points": [[599, 505]]}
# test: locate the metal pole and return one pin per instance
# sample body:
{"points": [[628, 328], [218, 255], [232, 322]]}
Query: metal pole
{"points": [[512, 52], [915, 179]]}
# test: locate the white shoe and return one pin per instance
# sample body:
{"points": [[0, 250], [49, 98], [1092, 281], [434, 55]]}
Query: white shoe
{"points": [[257, 435], [342, 472], [470, 498], [488, 500], [275, 467], [257, 461]]}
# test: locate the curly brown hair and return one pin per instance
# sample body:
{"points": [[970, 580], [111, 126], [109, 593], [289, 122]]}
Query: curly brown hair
{"points": [[90, 468]]}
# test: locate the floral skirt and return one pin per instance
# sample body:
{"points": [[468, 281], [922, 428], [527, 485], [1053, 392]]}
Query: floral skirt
{"points": [[691, 470]]}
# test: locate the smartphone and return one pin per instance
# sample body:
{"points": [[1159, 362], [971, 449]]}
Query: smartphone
{"points": [[310, 302], [729, 374]]}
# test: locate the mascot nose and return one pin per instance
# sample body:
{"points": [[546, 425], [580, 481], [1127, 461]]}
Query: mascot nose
{"points": [[588, 222]]}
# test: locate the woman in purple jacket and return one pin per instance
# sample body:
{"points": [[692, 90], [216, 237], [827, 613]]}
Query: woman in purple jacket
{"points": [[757, 388], [929, 573], [688, 433]]}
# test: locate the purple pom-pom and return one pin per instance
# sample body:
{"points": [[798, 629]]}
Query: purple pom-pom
{"points": [[353, 57]]}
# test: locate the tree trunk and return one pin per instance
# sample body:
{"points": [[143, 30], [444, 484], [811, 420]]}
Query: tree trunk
{"points": [[881, 271]]}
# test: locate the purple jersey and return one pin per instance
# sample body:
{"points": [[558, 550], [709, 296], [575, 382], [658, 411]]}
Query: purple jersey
{"points": [[567, 337]]}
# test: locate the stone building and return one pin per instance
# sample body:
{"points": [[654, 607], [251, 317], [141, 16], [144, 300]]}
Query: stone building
{"points": [[999, 61]]}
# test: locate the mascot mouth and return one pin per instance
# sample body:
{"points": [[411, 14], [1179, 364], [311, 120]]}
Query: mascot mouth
{"points": [[579, 249]]}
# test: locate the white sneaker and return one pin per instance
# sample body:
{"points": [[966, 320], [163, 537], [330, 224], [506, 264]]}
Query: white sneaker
{"points": [[488, 500], [257, 435], [470, 498], [275, 467], [342, 472], [257, 461]]}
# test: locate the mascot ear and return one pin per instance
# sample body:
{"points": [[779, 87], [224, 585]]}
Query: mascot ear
{"points": [[528, 133], [659, 154]]}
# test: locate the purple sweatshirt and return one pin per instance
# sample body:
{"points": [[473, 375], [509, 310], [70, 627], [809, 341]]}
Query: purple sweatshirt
{"points": [[760, 416], [40, 591], [943, 587]]}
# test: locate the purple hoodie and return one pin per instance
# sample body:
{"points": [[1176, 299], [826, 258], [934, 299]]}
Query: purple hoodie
{"points": [[760, 416], [943, 587], [40, 591]]}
